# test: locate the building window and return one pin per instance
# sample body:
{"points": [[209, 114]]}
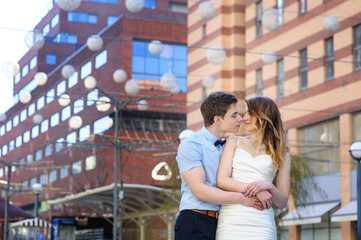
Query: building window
{"points": [[319, 144], [4, 150], [46, 29], [357, 126], [259, 19], [82, 17], [11, 145], [42, 179], [280, 7], [15, 99], [78, 106], [103, 1], [55, 20], [204, 30], [59, 144], [65, 113], [111, 20], [280, 79], [71, 138], [18, 141], [90, 162], [64, 172], [52, 176], [60, 88], [76, 167], [25, 184], [33, 62], [357, 47], [150, 4], [303, 69], [32, 181], [101, 59], [302, 6], [54, 120], [44, 126], [259, 82], [329, 59], [178, 7], [38, 154], [23, 115], [92, 97], [21, 162], [73, 80], [65, 38], [101, 125], [31, 109], [146, 66], [84, 133], [50, 95], [35, 131], [16, 121], [86, 70], [40, 103], [29, 158], [26, 136], [50, 59], [25, 70], [48, 150], [17, 78]]}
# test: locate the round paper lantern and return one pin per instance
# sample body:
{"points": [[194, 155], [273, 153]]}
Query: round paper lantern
{"points": [[142, 105], [69, 5], [10, 68], [94, 43], [132, 87], [208, 82], [37, 188], [331, 24], [34, 40], [2, 117], [37, 118], [268, 57], [119, 75], [155, 47], [90, 82], [176, 89], [109, 122], [134, 5], [103, 104], [216, 55], [75, 122], [67, 71], [41, 78], [271, 19], [206, 10], [25, 97], [168, 81], [64, 100], [184, 134]]}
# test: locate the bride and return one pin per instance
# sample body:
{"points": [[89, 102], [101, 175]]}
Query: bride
{"points": [[248, 165]]}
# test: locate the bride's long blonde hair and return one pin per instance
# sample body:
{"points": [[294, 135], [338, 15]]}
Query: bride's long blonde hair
{"points": [[269, 127]]}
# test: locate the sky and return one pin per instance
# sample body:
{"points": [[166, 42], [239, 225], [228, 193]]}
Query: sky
{"points": [[17, 17]]}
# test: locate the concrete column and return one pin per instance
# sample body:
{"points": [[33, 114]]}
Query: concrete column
{"points": [[142, 227], [170, 226]]}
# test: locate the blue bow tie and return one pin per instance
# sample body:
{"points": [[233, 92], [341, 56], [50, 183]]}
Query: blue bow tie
{"points": [[219, 142]]}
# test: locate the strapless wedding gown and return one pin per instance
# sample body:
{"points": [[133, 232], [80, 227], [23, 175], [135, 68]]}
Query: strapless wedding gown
{"points": [[240, 222]]}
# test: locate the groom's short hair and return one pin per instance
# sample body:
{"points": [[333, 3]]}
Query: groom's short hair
{"points": [[216, 104]]}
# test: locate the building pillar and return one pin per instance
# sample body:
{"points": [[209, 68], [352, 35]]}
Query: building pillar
{"points": [[142, 227], [170, 226], [346, 166]]}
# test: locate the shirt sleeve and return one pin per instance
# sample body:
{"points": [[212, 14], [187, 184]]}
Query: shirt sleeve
{"points": [[189, 156]]}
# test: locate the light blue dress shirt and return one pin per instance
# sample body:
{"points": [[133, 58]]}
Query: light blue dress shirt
{"points": [[194, 151]]}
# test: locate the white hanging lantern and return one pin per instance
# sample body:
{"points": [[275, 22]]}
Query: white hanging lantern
{"points": [[208, 82], [168, 81], [90, 82], [10, 68], [271, 19], [155, 47], [67, 71], [2, 117], [206, 10], [41, 78], [119, 75], [64, 100], [109, 122], [25, 97], [142, 105], [132, 87], [69, 5], [37, 119], [268, 57], [103, 104], [75, 122], [34, 40], [94, 42], [331, 24], [216, 55], [176, 89], [134, 5]]}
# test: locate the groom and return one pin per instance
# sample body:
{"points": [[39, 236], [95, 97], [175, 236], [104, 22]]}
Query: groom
{"points": [[198, 159]]}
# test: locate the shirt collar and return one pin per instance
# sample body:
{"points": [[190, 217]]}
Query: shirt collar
{"points": [[208, 135]]}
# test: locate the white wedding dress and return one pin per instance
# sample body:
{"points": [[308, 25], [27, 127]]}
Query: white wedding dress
{"points": [[240, 222]]}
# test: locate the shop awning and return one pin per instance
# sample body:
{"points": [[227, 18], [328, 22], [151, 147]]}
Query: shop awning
{"points": [[34, 222], [345, 214], [308, 214]]}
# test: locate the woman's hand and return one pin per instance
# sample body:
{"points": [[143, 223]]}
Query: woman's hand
{"points": [[254, 188], [265, 197]]}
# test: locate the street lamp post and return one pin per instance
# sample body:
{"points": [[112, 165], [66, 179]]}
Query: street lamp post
{"points": [[355, 151], [37, 188]]}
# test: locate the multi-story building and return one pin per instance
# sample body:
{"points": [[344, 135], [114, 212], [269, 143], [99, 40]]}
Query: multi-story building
{"points": [[37, 140], [314, 79]]}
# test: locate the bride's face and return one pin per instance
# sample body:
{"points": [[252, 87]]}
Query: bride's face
{"points": [[249, 121]]}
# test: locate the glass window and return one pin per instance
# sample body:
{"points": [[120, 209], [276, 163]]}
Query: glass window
{"points": [[78, 106], [302, 5], [259, 19], [86, 70], [25, 184], [59, 145], [40, 103], [82, 17], [357, 47], [103, 1], [23, 115], [92, 97], [11, 145], [17, 78], [60, 88], [64, 172], [29, 158], [357, 126], [33, 62], [26, 136], [16, 121], [15, 99], [90, 162], [178, 7], [329, 59], [50, 59], [76, 167], [71, 138], [44, 126], [65, 113], [101, 125], [31, 109], [73, 80], [65, 38], [55, 20], [5, 149], [25, 70], [101, 59], [19, 141], [111, 20], [54, 120], [32, 181], [1, 172], [52, 176], [21, 162], [280, 7], [259, 82], [42, 179], [150, 4], [9, 126], [38, 154], [2, 130], [35, 131], [50, 95], [280, 79], [48, 150], [84, 133], [303, 69], [46, 29]]}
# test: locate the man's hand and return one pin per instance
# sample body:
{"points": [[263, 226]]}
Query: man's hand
{"points": [[253, 202], [266, 199]]}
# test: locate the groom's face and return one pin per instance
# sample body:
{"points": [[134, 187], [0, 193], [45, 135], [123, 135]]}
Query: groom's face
{"points": [[231, 120]]}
